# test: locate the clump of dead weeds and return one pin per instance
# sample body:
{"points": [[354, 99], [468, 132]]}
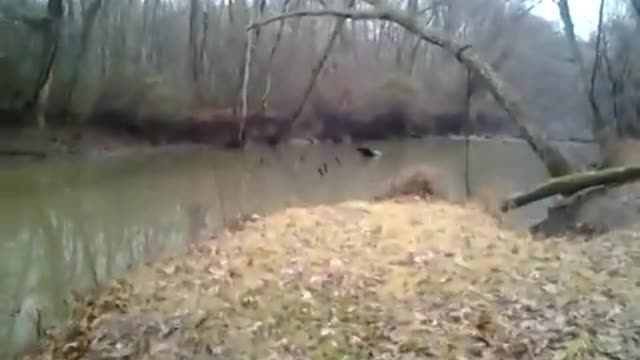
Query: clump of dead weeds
{"points": [[489, 199], [423, 182]]}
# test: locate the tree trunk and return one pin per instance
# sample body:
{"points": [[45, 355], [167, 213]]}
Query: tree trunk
{"points": [[616, 83], [87, 26], [245, 85], [194, 53], [570, 184], [354, 42], [599, 123], [554, 160], [201, 52], [467, 130], [230, 11], [635, 4], [381, 30], [36, 103], [606, 132], [412, 57], [238, 89], [146, 16], [272, 54], [315, 72]]}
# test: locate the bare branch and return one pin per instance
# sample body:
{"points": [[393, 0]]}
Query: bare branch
{"points": [[349, 14], [315, 72], [272, 54]]}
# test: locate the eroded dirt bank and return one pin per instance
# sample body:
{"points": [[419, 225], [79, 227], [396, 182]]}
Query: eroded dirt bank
{"points": [[396, 279]]}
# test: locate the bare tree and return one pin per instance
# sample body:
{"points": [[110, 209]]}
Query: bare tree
{"points": [[635, 4], [337, 29], [554, 160], [49, 28], [600, 125], [194, 44], [272, 53], [245, 85], [88, 22], [136, 59]]}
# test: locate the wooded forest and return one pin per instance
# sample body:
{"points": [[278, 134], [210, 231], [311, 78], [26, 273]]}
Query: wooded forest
{"points": [[81, 63]]}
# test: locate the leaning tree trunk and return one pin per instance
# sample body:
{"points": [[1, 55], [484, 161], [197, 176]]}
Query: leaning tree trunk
{"points": [[315, 72], [552, 157], [36, 103]]}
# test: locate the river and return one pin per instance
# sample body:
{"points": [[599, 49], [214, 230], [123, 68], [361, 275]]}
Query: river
{"points": [[70, 223]]}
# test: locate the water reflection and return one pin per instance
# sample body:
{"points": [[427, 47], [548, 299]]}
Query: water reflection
{"points": [[69, 225]]}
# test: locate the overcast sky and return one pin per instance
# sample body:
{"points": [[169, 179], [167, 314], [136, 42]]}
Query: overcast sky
{"points": [[584, 13]]}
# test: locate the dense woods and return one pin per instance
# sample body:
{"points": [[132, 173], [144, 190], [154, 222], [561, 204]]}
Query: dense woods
{"points": [[178, 70]]}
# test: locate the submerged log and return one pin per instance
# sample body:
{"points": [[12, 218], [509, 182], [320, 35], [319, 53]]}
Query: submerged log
{"points": [[570, 184], [28, 153]]}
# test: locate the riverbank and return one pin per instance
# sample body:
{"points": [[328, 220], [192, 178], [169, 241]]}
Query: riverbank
{"points": [[30, 143], [400, 278], [107, 130]]}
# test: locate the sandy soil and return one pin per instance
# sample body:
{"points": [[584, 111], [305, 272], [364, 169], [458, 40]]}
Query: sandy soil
{"points": [[396, 279]]}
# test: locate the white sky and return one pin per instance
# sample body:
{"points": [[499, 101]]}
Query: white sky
{"points": [[584, 13]]}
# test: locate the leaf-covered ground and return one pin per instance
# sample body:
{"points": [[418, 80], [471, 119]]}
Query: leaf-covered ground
{"points": [[403, 279]]}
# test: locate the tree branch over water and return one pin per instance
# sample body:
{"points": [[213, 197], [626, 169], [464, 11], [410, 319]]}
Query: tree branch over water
{"points": [[556, 163], [571, 184]]}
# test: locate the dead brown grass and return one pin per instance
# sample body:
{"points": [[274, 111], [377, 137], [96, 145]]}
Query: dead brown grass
{"points": [[423, 182], [383, 280], [489, 200]]}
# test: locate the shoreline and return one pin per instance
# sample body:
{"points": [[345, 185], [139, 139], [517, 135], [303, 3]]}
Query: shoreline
{"points": [[362, 278], [54, 143]]}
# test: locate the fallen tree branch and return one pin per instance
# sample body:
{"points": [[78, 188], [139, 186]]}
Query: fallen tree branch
{"points": [[30, 153], [570, 184], [555, 162]]}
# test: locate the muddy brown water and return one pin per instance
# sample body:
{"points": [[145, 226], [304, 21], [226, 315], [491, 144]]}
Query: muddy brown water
{"points": [[69, 224]]}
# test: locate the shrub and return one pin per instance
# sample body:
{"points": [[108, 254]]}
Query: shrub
{"points": [[423, 182]]}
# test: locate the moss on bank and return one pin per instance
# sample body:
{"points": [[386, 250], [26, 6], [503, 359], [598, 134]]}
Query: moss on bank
{"points": [[397, 279]]}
